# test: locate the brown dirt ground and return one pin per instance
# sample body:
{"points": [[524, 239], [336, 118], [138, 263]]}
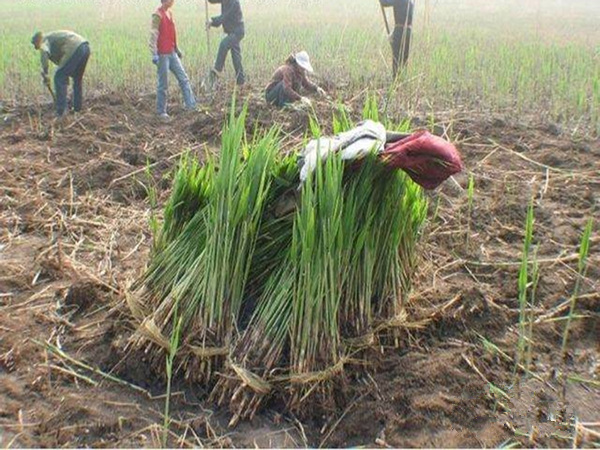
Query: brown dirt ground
{"points": [[74, 235]]}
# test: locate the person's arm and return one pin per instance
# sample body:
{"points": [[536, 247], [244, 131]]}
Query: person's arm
{"points": [[288, 86], [309, 85], [153, 42], [227, 11], [44, 58], [177, 49]]}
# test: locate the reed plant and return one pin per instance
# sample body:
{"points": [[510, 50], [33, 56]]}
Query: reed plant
{"points": [[584, 249], [524, 340], [470, 196]]}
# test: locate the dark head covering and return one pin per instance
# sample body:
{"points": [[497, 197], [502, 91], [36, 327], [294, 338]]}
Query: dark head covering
{"points": [[36, 36]]}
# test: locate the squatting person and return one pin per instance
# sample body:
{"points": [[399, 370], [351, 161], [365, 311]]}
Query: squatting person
{"points": [[167, 56], [232, 20], [400, 37], [289, 79], [70, 52]]}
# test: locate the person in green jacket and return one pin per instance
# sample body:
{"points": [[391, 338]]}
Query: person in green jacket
{"points": [[70, 52]]}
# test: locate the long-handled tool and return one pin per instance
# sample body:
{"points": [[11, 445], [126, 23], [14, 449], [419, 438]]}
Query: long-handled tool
{"points": [[47, 84], [207, 83], [385, 19], [207, 28]]}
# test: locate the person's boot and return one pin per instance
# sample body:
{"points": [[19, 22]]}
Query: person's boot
{"points": [[60, 119], [164, 118]]}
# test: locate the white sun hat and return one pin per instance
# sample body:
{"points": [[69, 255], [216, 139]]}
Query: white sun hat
{"points": [[303, 61]]}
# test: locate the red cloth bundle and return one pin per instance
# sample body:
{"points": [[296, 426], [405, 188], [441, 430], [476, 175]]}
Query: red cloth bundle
{"points": [[427, 159]]}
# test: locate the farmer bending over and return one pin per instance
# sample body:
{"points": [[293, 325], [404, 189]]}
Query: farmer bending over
{"points": [[70, 52], [289, 79], [167, 56], [232, 20], [400, 37]]}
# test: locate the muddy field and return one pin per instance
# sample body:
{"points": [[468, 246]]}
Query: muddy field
{"points": [[74, 236]]}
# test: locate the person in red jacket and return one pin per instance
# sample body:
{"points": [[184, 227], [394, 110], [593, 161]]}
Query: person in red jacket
{"points": [[289, 79], [167, 56]]}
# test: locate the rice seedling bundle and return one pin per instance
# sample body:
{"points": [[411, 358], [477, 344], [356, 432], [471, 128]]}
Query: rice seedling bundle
{"points": [[276, 285]]}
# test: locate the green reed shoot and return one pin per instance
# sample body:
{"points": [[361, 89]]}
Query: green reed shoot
{"points": [[470, 194], [584, 249], [170, 358], [153, 200], [535, 277], [523, 283]]}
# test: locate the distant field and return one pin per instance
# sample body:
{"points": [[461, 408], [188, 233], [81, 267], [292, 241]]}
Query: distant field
{"points": [[535, 56]]}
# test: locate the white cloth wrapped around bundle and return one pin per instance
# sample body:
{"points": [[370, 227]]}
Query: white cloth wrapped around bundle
{"points": [[368, 136]]}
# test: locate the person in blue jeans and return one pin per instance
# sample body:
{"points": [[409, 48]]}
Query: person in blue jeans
{"points": [[167, 56], [232, 21], [70, 52]]}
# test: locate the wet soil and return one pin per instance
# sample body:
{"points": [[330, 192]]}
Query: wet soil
{"points": [[74, 235]]}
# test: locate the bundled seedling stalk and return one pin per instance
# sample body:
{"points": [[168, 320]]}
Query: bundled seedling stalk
{"points": [[276, 284], [202, 263], [316, 253]]}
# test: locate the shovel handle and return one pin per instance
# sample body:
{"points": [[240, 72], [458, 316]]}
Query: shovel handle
{"points": [[47, 84], [207, 29], [385, 19]]}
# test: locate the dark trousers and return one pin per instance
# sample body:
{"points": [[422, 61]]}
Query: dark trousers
{"points": [[400, 47], [276, 95], [74, 68], [232, 42]]}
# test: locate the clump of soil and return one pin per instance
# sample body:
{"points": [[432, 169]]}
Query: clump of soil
{"points": [[84, 295]]}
